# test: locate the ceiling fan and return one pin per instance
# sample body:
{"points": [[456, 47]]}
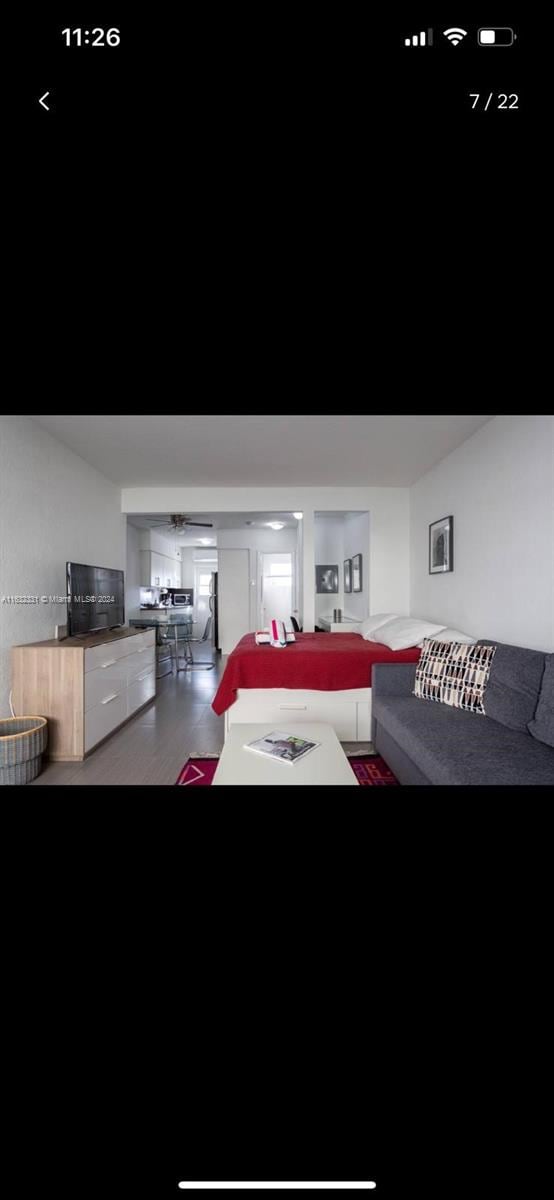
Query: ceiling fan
{"points": [[178, 523]]}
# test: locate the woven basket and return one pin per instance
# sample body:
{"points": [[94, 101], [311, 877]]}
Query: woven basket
{"points": [[22, 744]]}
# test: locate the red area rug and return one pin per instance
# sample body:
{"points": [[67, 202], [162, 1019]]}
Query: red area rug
{"points": [[370, 770]]}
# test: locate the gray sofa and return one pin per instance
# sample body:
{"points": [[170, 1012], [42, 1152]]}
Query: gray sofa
{"points": [[424, 742]]}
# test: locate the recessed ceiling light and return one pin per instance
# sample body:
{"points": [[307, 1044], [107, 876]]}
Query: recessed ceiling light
{"points": [[298, 516], [276, 525]]}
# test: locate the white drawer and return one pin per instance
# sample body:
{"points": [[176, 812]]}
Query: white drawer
{"points": [[110, 652], [341, 714], [141, 641], [105, 655], [103, 718], [140, 663], [104, 682], [140, 691]]}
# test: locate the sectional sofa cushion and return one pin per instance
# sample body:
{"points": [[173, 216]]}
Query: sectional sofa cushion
{"points": [[449, 746], [542, 725], [403, 632], [514, 685], [454, 673]]}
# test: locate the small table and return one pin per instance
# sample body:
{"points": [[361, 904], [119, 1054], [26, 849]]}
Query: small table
{"points": [[176, 620], [347, 625], [327, 764]]}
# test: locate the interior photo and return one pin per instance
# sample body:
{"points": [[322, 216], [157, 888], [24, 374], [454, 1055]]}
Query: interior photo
{"points": [[277, 600]]}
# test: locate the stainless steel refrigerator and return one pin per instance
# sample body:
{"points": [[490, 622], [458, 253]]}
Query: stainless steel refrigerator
{"points": [[213, 603]]}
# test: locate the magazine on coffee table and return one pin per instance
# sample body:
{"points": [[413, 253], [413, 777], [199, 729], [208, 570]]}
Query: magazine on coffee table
{"points": [[285, 747]]}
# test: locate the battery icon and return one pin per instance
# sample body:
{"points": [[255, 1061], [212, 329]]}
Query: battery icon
{"points": [[496, 37]]}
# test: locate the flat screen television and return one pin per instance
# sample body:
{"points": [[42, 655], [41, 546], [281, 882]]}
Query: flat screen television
{"points": [[95, 598]]}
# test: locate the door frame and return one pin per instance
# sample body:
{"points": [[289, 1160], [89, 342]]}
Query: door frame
{"points": [[258, 591]]}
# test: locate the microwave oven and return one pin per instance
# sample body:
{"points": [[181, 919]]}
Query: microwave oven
{"points": [[183, 599]]}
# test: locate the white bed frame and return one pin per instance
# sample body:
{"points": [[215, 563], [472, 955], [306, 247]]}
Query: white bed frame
{"points": [[349, 712]]}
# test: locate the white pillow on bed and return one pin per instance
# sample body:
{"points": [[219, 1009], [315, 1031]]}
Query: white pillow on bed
{"points": [[367, 626], [454, 635], [404, 632]]}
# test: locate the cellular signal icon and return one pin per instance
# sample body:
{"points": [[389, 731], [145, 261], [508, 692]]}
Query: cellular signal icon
{"points": [[420, 39], [455, 36]]}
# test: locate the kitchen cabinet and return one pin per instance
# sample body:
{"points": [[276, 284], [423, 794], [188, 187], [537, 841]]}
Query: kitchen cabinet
{"points": [[159, 570]]}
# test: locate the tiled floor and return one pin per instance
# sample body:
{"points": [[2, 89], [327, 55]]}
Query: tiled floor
{"points": [[154, 746]]}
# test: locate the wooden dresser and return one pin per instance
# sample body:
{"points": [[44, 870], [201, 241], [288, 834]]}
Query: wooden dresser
{"points": [[87, 687]]}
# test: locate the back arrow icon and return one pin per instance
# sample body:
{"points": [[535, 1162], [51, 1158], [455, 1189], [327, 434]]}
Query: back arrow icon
{"points": [[42, 99]]}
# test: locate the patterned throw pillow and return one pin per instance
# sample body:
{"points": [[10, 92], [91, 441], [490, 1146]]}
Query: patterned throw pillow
{"points": [[454, 673]]}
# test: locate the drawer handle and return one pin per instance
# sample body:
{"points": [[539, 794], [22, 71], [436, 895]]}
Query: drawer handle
{"points": [[144, 674], [295, 707], [142, 649], [109, 699], [109, 663]]}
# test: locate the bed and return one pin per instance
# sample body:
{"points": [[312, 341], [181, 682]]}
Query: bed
{"points": [[319, 677]]}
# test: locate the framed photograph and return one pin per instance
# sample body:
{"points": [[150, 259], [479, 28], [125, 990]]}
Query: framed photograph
{"points": [[327, 578], [441, 546], [357, 573], [348, 575]]}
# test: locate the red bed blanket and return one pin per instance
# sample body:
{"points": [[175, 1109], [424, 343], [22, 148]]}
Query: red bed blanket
{"points": [[326, 662]]}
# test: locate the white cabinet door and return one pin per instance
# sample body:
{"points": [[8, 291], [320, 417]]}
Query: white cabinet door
{"points": [[158, 572], [103, 718]]}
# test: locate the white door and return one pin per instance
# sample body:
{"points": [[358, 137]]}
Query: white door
{"points": [[233, 597], [276, 588]]}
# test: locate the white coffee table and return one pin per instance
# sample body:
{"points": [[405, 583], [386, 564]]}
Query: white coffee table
{"points": [[327, 764]]}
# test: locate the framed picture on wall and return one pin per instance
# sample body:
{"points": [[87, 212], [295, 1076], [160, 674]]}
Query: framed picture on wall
{"points": [[327, 578], [357, 573], [348, 575], [441, 546]]}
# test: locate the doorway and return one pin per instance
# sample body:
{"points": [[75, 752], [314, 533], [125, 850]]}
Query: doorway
{"points": [[276, 588]]}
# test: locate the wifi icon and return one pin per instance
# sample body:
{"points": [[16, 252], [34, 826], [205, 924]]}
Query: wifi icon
{"points": [[455, 36]]}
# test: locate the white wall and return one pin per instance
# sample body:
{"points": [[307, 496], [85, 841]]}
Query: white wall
{"points": [[159, 541], [280, 540], [300, 580], [328, 543], [499, 487], [356, 541], [53, 507], [388, 550], [256, 541], [133, 581]]}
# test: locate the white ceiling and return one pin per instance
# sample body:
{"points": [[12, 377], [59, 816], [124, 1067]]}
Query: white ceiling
{"points": [[257, 520], [254, 451]]}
